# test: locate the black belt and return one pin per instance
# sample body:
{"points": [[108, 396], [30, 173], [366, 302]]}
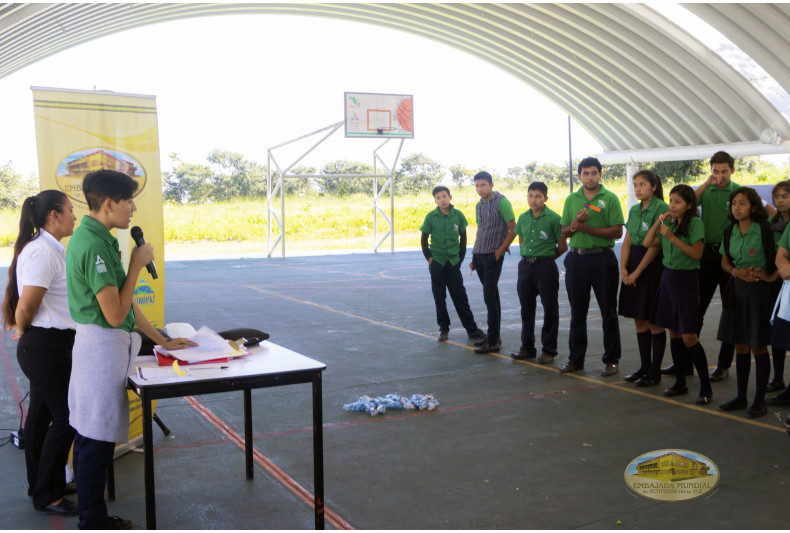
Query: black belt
{"points": [[712, 247], [586, 251], [536, 259]]}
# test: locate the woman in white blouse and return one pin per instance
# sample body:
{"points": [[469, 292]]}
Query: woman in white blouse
{"points": [[36, 307]]}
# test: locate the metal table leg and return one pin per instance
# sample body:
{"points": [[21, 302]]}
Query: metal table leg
{"points": [[318, 451], [148, 460]]}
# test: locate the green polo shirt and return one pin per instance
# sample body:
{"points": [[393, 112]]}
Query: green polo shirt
{"points": [[611, 215], [715, 205], [539, 235], [93, 260], [641, 220], [505, 209], [746, 249], [784, 240], [445, 231], [673, 257]]}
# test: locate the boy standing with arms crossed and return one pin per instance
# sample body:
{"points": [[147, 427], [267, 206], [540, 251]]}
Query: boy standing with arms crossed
{"points": [[446, 227], [541, 242], [496, 223]]}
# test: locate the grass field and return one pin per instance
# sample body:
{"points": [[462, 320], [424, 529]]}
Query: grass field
{"points": [[312, 223]]}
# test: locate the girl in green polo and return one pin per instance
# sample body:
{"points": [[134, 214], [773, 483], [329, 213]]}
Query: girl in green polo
{"points": [[640, 270], [748, 256], [676, 307]]}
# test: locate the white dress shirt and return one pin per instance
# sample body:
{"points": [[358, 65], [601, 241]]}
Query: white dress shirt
{"points": [[42, 263]]}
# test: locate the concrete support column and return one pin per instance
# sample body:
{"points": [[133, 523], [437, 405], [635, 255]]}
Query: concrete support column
{"points": [[631, 169]]}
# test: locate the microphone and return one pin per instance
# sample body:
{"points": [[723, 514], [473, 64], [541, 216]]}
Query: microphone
{"points": [[139, 240]]}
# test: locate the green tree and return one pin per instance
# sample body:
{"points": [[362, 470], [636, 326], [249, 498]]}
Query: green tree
{"points": [[187, 182], [418, 172], [298, 186], [235, 176], [461, 175], [346, 186], [678, 171], [14, 188]]}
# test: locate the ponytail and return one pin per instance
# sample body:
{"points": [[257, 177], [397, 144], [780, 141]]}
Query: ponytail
{"points": [[35, 210]]}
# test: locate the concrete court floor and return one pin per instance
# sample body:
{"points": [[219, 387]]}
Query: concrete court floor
{"points": [[513, 445]]}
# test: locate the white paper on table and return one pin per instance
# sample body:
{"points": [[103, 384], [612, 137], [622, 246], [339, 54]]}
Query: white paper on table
{"points": [[159, 372], [209, 346]]}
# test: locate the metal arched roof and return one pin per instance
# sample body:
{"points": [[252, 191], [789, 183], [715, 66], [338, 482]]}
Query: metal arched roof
{"points": [[632, 78]]}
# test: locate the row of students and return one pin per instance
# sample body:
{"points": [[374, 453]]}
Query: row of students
{"points": [[662, 287]]}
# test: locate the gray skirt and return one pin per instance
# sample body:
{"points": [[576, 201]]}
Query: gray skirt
{"points": [[98, 402]]}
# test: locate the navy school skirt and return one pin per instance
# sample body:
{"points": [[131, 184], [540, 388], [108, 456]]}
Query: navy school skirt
{"points": [[637, 302], [749, 322], [676, 306]]}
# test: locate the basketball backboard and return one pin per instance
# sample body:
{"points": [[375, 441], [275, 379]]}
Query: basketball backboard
{"points": [[379, 115]]}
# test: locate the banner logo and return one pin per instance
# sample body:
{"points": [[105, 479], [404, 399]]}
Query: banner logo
{"points": [[144, 294], [671, 475], [73, 168]]}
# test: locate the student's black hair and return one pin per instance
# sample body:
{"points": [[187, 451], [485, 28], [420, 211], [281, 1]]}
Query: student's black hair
{"points": [[102, 184], [723, 157], [690, 197], [589, 162], [759, 214], [440, 188], [483, 175], [654, 180], [785, 184], [538, 186], [35, 210]]}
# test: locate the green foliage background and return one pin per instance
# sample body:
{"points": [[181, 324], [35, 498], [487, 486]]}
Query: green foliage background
{"points": [[223, 200]]}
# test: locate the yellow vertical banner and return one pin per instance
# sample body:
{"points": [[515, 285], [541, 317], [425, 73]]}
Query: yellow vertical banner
{"points": [[81, 131]]}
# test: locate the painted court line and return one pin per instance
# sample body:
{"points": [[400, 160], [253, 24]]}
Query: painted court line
{"points": [[270, 467], [616, 385]]}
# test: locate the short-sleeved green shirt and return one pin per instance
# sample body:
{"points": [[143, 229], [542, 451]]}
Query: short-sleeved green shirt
{"points": [[784, 240], [747, 249], [93, 260], [445, 231], [539, 235], [611, 214], [715, 204], [673, 257], [505, 209], [641, 220]]}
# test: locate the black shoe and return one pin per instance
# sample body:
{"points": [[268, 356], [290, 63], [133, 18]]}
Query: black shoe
{"points": [[732, 405], [774, 386], [443, 335], [522, 354], [544, 358], [116, 522], [703, 399], [571, 366], [609, 369], [633, 377], [777, 401], [668, 370], [64, 507], [647, 382], [719, 374], [484, 340], [478, 335], [675, 391], [756, 411], [487, 348]]}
